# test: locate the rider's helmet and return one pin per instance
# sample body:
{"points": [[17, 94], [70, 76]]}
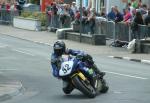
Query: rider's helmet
{"points": [[59, 47]]}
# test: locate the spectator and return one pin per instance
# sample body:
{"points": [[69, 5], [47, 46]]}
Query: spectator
{"points": [[130, 8], [127, 16], [74, 7], [54, 9], [71, 13], [140, 3], [111, 15], [103, 12], [85, 22], [144, 10], [138, 18], [91, 20], [134, 4], [7, 7], [119, 16], [20, 4], [0, 6], [54, 17], [84, 17], [13, 7], [147, 19], [134, 26], [66, 16], [77, 15]]}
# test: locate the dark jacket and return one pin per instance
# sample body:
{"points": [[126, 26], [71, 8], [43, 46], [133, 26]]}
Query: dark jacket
{"points": [[54, 58], [119, 17], [147, 20]]}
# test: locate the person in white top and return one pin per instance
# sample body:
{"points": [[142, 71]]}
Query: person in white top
{"points": [[74, 7]]}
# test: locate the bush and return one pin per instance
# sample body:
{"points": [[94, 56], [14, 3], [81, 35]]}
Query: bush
{"points": [[35, 15]]}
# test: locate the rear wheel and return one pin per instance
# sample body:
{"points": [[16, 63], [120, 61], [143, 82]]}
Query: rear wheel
{"points": [[84, 87]]}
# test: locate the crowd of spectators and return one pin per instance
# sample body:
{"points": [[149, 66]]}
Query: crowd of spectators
{"points": [[8, 6], [133, 12]]}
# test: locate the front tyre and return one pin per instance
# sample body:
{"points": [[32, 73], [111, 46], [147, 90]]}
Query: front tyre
{"points": [[84, 87], [67, 90], [67, 87]]}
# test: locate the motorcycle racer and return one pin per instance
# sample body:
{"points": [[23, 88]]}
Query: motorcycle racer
{"points": [[59, 49]]}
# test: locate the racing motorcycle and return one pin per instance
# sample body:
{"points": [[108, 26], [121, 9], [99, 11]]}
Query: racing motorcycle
{"points": [[70, 71]]}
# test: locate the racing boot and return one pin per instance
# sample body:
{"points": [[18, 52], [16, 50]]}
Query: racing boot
{"points": [[101, 74]]}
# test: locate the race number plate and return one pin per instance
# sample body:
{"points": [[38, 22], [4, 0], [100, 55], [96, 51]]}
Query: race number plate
{"points": [[66, 68]]}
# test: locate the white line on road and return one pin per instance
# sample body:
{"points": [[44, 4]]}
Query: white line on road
{"points": [[131, 76], [23, 52], [3, 45], [8, 69]]}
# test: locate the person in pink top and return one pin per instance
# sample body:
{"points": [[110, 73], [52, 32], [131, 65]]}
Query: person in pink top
{"points": [[127, 16], [7, 7]]}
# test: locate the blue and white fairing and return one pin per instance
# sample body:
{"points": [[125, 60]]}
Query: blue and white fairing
{"points": [[68, 65]]}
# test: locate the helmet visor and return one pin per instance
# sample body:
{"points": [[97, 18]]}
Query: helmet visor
{"points": [[58, 52]]}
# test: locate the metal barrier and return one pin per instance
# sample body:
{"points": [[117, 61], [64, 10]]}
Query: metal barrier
{"points": [[59, 21], [6, 17], [148, 31], [120, 31], [143, 31]]}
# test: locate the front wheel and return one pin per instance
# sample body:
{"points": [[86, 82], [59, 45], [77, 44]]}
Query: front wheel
{"points": [[84, 87], [67, 87]]}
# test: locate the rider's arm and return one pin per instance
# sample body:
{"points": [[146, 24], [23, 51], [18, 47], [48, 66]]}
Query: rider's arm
{"points": [[74, 52], [81, 55], [55, 69]]}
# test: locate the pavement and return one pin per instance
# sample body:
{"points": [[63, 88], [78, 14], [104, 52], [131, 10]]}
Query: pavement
{"points": [[9, 88]]}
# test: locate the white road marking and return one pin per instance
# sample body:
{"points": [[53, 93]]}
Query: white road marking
{"points": [[126, 75], [111, 56], [8, 69], [24, 52], [117, 92], [3, 45]]}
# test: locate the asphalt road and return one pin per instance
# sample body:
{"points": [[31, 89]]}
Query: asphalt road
{"points": [[29, 63]]}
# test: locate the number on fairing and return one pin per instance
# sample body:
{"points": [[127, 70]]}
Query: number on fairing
{"points": [[66, 68]]}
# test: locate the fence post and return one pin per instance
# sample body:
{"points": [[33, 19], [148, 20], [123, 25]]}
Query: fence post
{"points": [[130, 33], [0, 16], [114, 31], [80, 19]]}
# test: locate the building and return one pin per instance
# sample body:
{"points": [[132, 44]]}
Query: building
{"points": [[68, 1]]}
